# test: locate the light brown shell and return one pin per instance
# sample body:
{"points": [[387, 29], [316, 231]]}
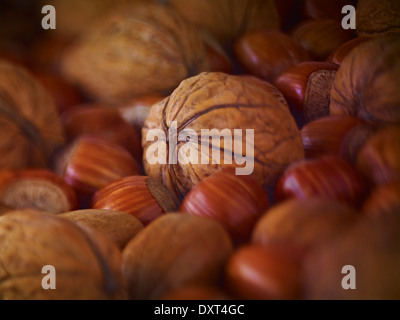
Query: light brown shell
{"points": [[219, 101], [367, 83], [378, 17], [86, 263], [30, 128], [133, 51], [228, 19]]}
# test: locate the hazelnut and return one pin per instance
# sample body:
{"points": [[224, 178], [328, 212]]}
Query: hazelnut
{"points": [[366, 83], [101, 121], [87, 264], [173, 251], [344, 50], [303, 224], [262, 273], [119, 227], [222, 102], [306, 86], [325, 136], [321, 37], [383, 200], [329, 177], [379, 158], [36, 189], [30, 128], [89, 164], [236, 202], [142, 197], [267, 53]]}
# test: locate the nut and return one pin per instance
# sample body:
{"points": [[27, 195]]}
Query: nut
{"points": [[236, 202], [228, 19], [101, 121], [303, 224], [30, 128], [365, 85], [86, 263], [119, 227], [262, 273], [306, 86], [384, 200], [36, 189], [325, 136], [379, 158], [135, 50], [219, 101], [90, 164], [140, 196], [371, 246], [321, 37], [267, 53], [329, 177], [377, 18], [173, 251], [345, 49]]}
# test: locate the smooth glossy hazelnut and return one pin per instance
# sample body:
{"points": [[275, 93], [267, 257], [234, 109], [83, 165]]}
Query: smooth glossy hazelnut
{"points": [[262, 273], [139, 196], [267, 53], [236, 202], [325, 136], [383, 200], [321, 37], [327, 177]]}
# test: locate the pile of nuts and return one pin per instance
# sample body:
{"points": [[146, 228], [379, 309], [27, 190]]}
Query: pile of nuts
{"points": [[101, 136]]}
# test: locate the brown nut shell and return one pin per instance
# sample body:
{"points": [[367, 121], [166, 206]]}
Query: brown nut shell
{"points": [[378, 17], [173, 251], [117, 226], [366, 84], [86, 263], [135, 50], [30, 128], [219, 101]]}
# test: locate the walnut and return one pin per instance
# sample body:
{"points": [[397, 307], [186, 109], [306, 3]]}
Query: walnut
{"points": [[366, 84], [228, 19], [30, 128], [135, 50], [86, 263], [378, 17], [216, 101]]}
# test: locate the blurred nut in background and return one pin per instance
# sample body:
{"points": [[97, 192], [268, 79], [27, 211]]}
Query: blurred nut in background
{"points": [[378, 17], [135, 50], [87, 264], [228, 19], [366, 84], [36, 189], [30, 127]]}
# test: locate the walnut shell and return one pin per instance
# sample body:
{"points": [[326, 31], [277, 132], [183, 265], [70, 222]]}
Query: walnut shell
{"points": [[30, 128], [87, 264], [228, 19], [219, 101], [366, 84], [378, 17], [135, 50]]}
